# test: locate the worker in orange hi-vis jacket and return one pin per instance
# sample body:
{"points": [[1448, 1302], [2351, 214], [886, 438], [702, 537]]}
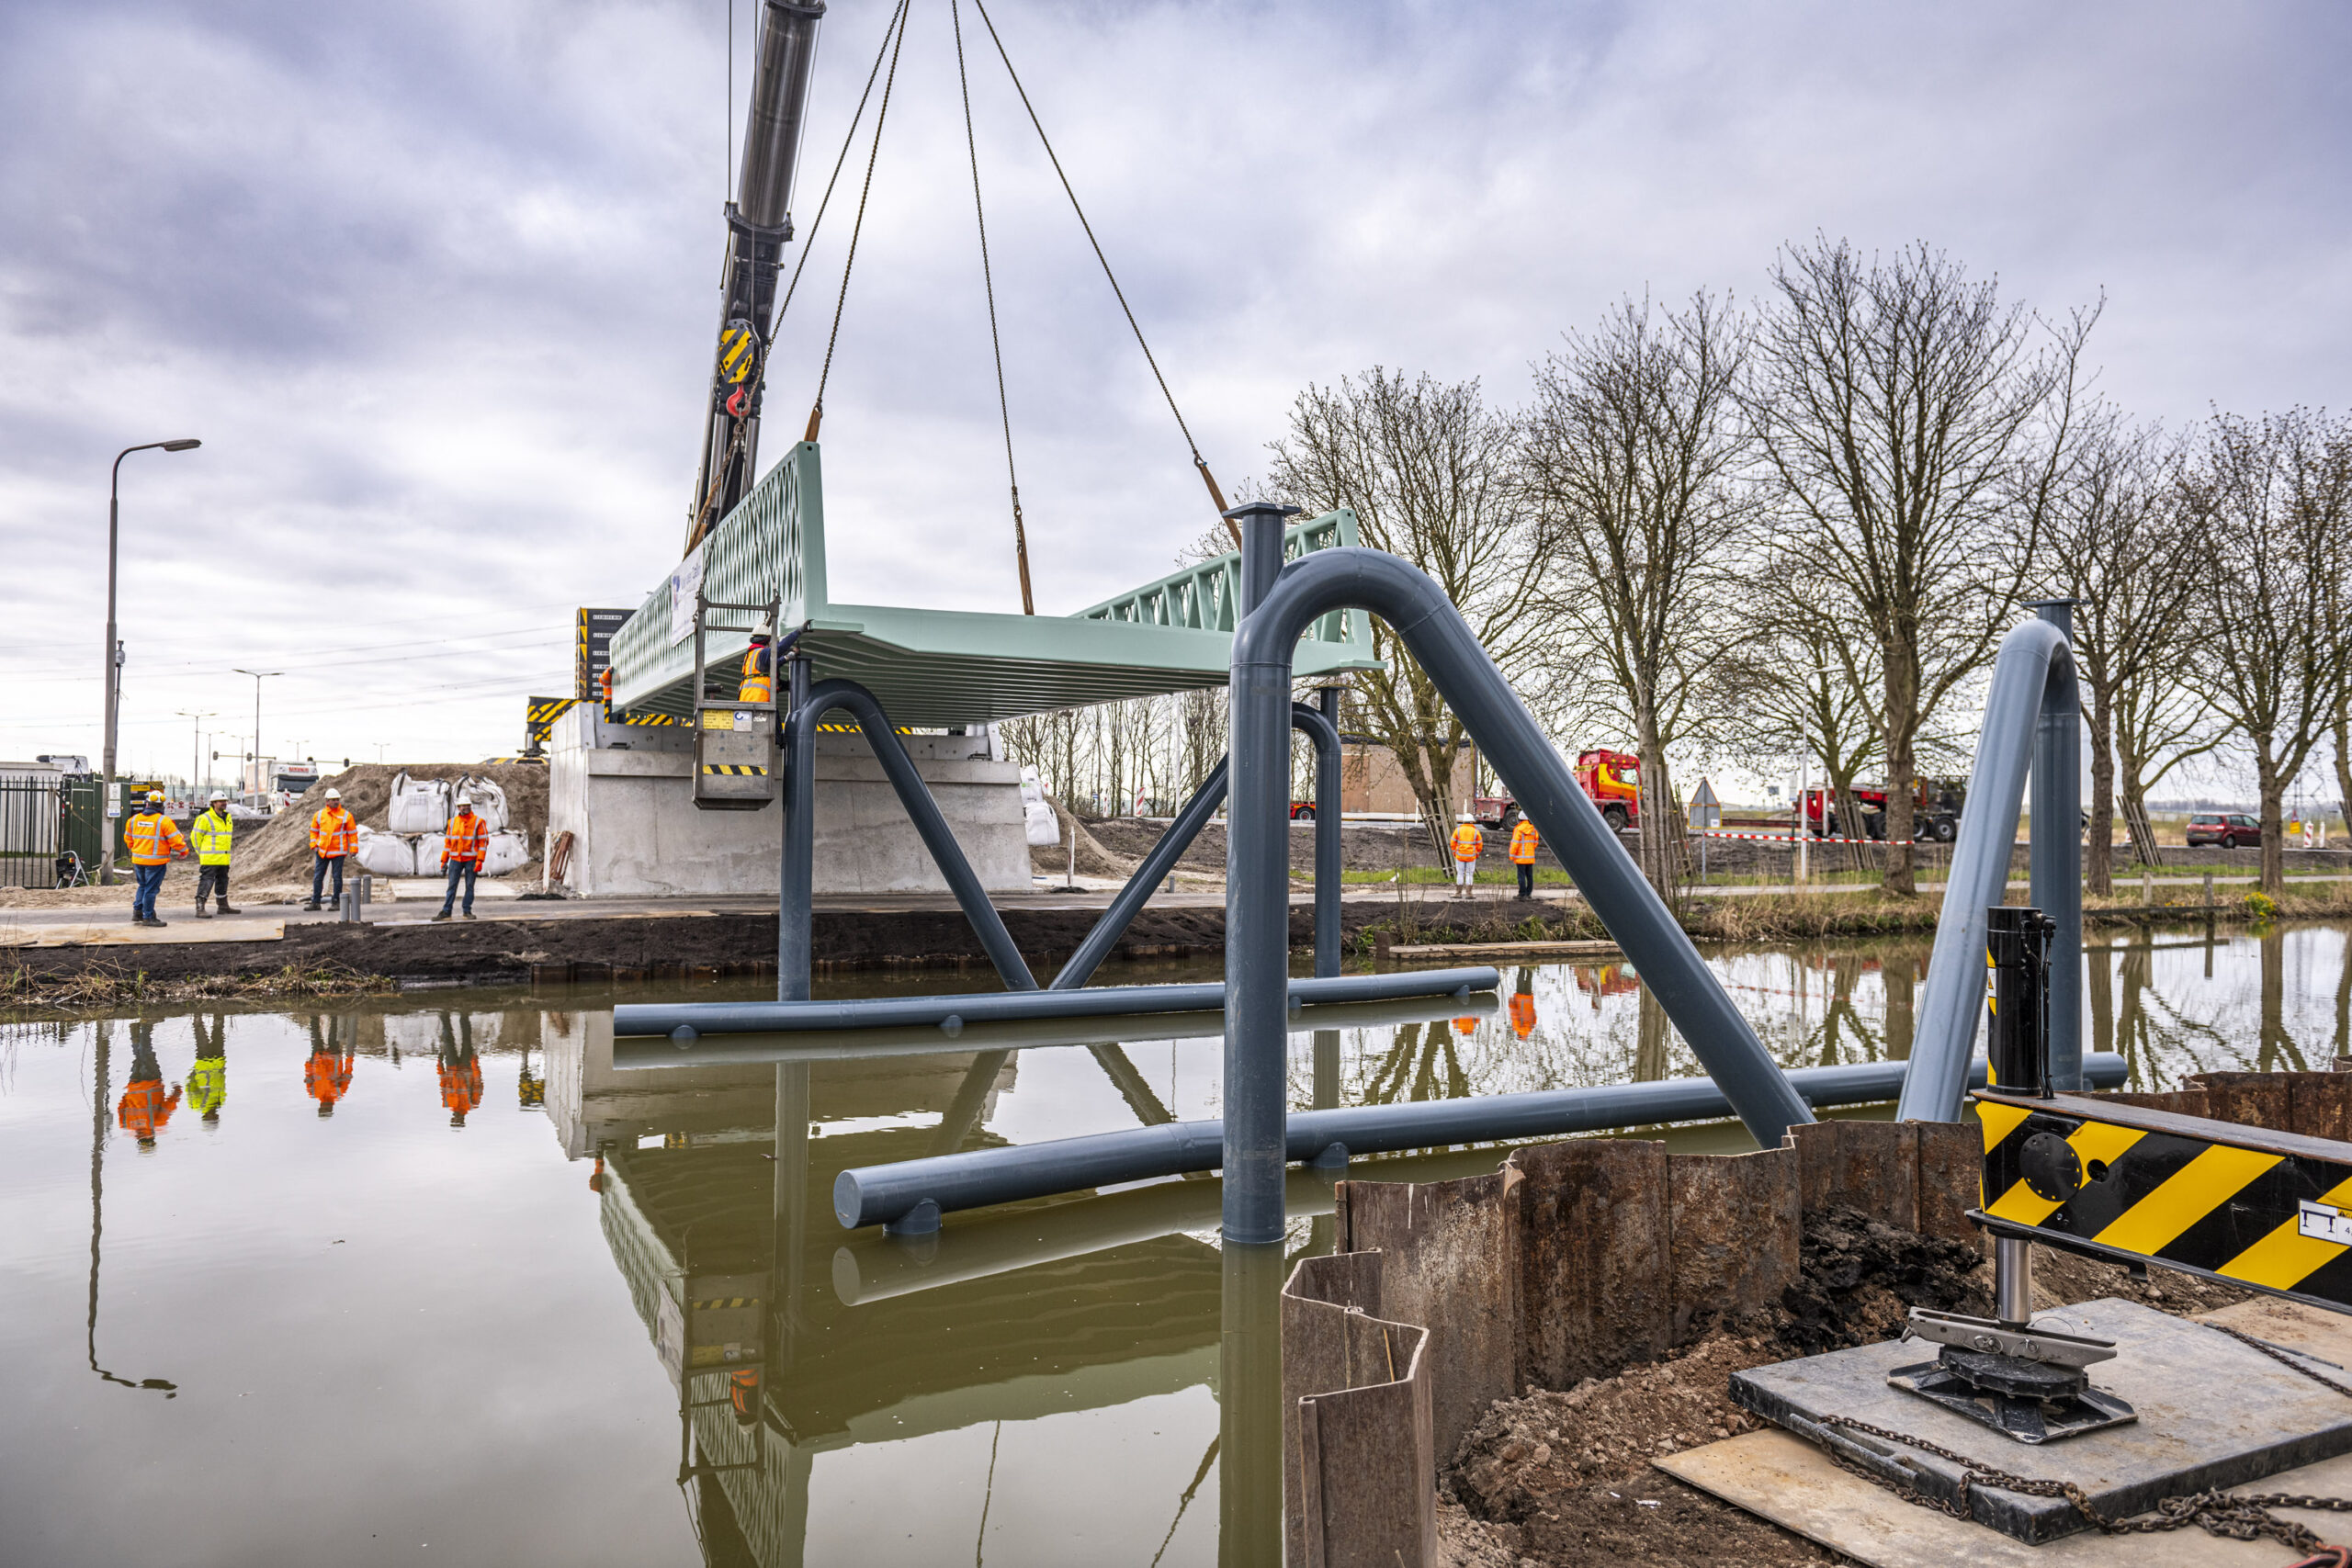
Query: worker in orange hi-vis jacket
{"points": [[464, 844], [1523, 845], [758, 684], [334, 834], [144, 1108], [1469, 843], [154, 842], [1522, 1005]]}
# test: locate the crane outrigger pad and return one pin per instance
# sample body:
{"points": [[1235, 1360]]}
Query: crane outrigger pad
{"points": [[935, 668]]}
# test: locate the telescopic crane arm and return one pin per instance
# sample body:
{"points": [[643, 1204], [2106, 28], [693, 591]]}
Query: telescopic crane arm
{"points": [[759, 224]]}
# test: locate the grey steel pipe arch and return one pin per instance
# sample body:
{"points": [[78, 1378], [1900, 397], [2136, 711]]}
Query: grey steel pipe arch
{"points": [[794, 929], [2033, 675], [1257, 862], [1195, 816]]}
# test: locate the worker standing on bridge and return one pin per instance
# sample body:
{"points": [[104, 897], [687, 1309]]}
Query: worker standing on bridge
{"points": [[759, 667], [333, 835], [212, 833], [1469, 843], [463, 847], [154, 841], [1523, 844]]}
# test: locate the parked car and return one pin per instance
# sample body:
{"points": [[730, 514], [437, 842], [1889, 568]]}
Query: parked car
{"points": [[2227, 829]]}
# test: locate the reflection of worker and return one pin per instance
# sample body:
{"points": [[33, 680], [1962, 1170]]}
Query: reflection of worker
{"points": [[463, 846], [1522, 1005], [759, 667], [1523, 843], [459, 1069], [1469, 843], [207, 1081], [1465, 1025], [531, 1090], [326, 1076], [213, 832], [144, 1108], [334, 834], [744, 1395], [154, 841]]}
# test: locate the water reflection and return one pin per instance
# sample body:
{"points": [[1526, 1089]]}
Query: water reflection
{"points": [[686, 1355]]}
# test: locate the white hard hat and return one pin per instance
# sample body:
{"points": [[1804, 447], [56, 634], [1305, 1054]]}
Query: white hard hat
{"points": [[465, 800], [335, 794], [766, 628], [217, 794]]}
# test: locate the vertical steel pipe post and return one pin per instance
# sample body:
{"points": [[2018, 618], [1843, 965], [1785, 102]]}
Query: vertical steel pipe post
{"points": [[2032, 657], [794, 928], [1257, 919], [2056, 852], [1328, 854]]}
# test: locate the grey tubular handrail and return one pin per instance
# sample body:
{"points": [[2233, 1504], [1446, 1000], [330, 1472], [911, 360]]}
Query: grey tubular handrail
{"points": [[1195, 815], [884, 1194], [2035, 663], [2056, 858], [657, 1018], [1257, 903], [913, 794]]}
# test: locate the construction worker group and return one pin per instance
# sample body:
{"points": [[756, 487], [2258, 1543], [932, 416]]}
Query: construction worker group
{"points": [[1470, 842]]}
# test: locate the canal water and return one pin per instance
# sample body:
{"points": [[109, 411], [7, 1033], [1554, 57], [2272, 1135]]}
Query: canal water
{"points": [[421, 1279]]}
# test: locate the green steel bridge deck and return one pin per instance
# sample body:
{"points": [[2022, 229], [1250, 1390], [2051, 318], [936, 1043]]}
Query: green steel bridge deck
{"points": [[936, 668]]}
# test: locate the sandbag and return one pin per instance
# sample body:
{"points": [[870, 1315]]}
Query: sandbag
{"points": [[1043, 829], [385, 854], [490, 802], [418, 805], [509, 850], [428, 854]]}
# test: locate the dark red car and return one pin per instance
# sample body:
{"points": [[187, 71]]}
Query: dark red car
{"points": [[2227, 829]]}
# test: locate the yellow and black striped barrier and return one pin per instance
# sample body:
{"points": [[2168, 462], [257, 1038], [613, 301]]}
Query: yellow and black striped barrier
{"points": [[2269, 1211], [722, 1304], [735, 770]]}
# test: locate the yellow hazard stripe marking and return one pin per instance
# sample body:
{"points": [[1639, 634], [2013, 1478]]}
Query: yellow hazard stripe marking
{"points": [[1999, 1121], [2092, 1141], [2198, 1187], [2286, 1256], [735, 770], [720, 1304]]}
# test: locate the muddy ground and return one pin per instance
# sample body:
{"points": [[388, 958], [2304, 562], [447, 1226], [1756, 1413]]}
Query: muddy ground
{"points": [[1566, 1476]]}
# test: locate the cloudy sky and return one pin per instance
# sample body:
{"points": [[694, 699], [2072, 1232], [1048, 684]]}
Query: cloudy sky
{"points": [[435, 284]]}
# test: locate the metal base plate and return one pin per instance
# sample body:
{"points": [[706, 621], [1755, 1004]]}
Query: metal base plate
{"points": [[2005, 1396], [2212, 1412]]}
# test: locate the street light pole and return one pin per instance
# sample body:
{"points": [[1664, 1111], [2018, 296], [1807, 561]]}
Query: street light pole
{"points": [[114, 645], [260, 785], [196, 757]]}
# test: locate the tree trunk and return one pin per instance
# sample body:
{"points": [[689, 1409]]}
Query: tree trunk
{"points": [[2099, 856], [2274, 822], [1902, 722], [1655, 805], [2344, 773]]}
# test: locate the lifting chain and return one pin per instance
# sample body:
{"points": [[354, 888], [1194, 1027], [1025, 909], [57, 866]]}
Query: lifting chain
{"points": [[2214, 1511]]}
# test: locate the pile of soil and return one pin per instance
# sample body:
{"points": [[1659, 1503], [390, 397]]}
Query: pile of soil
{"points": [[280, 852], [1566, 1477]]}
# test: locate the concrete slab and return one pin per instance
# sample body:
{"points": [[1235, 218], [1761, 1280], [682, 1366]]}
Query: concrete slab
{"points": [[2213, 1412], [413, 888], [1788, 1480], [122, 933]]}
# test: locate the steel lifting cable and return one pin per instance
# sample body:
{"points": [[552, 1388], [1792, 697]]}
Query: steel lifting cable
{"points": [[1198, 461], [988, 283], [816, 409]]}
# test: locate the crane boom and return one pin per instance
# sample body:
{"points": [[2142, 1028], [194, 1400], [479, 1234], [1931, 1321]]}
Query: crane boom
{"points": [[759, 224]]}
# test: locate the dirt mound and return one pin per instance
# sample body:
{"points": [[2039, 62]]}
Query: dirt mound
{"points": [[280, 852], [1859, 1278]]}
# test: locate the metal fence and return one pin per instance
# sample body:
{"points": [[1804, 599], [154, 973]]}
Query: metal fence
{"points": [[31, 815]]}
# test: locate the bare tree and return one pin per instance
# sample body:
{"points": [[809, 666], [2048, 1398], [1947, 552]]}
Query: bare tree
{"points": [[2121, 547], [1635, 456], [1432, 475], [2274, 497], [1919, 427]]}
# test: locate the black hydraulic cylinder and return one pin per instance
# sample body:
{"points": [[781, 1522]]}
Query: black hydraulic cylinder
{"points": [[699, 1018], [881, 1194], [2017, 1025]]}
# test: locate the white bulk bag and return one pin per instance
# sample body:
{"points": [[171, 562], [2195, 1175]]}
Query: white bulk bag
{"points": [[428, 854], [418, 805], [490, 802], [385, 854], [509, 850], [1043, 828]]}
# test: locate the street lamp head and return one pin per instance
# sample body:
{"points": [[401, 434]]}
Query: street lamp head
{"points": [[185, 444]]}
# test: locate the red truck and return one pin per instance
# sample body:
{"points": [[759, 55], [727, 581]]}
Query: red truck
{"points": [[1611, 780], [1934, 811]]}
